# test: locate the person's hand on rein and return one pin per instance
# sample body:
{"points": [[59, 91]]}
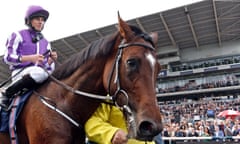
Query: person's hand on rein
{"points": [[120, 137], [36, 58], [53, 57]]}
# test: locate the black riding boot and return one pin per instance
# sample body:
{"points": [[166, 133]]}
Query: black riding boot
{"points": [[25, 82]]}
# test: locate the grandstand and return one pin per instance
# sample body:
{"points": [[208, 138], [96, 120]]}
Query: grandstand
{"points": [[198, 44]]}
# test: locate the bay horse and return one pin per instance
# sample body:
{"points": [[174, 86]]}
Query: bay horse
{"points": [[120, 69]]}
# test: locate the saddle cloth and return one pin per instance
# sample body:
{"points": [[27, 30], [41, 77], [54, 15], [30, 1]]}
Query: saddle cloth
{"points": [[8, 119]]}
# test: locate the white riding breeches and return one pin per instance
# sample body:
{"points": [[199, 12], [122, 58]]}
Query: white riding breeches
{"points": [[36, 72]]}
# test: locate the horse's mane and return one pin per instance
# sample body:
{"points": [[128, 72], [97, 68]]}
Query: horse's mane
{"points": [[101, 47]]}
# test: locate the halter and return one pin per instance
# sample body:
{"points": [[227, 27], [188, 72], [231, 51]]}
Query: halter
{"points": [[125, 107]]}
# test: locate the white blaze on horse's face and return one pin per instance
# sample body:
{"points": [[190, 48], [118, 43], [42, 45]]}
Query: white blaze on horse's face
{"points": [[151, 60]]}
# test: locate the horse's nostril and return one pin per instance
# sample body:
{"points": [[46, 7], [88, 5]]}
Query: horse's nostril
{"points": [[146, 128]]}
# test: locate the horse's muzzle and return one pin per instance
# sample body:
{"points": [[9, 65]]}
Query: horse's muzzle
{"points": [[147, 130]]}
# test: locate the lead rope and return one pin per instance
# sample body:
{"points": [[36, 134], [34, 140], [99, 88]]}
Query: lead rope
{"points": [[131, 124]]}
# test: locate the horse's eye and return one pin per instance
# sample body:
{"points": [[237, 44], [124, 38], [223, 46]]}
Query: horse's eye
{"points": [[132, 64]]}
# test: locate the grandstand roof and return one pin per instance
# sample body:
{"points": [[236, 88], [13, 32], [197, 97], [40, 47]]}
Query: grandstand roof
{"points": [[203, 23]]}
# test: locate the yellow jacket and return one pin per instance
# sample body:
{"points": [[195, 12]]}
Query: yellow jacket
{"points": [[104, 122]]}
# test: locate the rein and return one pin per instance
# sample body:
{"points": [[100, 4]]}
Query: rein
{"points": [[52, 106], [78, 92]]}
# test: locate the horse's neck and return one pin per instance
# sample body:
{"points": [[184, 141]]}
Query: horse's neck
{"points": [[88, 77]]}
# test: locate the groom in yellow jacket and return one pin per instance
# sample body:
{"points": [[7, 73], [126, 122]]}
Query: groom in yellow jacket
{"points": [[107, 126]]}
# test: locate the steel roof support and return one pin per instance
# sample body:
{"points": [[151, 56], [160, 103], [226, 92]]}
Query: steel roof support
{"points": [[99, 33], [191, 26], [229, 10], [230, 26], [140, 25], [168, 31], [68, 45], [83, 39], [216, 21]]}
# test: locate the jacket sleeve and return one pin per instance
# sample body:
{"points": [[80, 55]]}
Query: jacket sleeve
{"points": [[103, 124], [97, 128], [11, 55]]}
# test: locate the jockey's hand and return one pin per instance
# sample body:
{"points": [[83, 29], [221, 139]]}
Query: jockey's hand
{"points": [[36, 58], [120, 137], [53, 57]]}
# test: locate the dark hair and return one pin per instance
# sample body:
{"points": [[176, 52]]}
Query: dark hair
{"points": [[137, 31]]}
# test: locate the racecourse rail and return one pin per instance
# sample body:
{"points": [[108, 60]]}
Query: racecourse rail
{"points": [[205, 140]]}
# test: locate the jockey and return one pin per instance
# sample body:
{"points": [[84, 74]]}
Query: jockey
{"points": [[28, 55], [107, 126]]}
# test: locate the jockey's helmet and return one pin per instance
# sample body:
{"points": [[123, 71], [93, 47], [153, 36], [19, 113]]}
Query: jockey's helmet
{"points": [[35, 11]]}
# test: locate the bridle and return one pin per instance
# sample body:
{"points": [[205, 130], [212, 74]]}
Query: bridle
{"points": [[113, 98], [116, 67]]}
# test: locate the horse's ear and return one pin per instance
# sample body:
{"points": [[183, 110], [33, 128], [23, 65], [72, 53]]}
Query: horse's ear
{"points": [[154, 36], [124, 29]]}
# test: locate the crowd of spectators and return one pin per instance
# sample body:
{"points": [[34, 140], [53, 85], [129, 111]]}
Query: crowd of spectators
{"points": [[198, 83], [188, 118], [208, 63]]}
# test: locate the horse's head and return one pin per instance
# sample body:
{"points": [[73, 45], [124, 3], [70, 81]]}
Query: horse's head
{"points": [[131, 76]]}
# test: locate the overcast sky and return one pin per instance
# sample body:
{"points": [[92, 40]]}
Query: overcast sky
{"points": [[69, 17]]}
